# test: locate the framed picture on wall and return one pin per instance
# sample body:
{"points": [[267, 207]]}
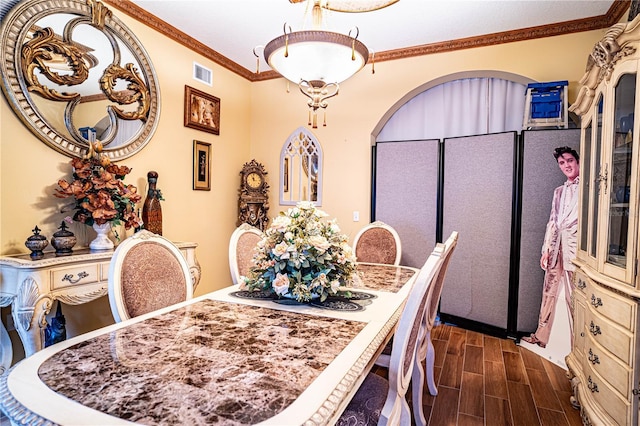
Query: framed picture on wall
{"points": [[201, 110], [201, 166]]}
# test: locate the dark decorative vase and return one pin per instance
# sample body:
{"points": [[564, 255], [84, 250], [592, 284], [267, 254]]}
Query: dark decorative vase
{"points": [[152, 210], [36, 243], [63, 241], [57, 330]]}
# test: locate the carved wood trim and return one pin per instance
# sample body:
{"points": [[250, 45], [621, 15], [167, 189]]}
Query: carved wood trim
{"points": [[614, 46], [613, 15], [329, 409], [26, 300], [15, 411], [79, 299]]}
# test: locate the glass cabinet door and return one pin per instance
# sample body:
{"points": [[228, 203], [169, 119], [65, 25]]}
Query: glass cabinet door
{"points": [[594, 181], [587, 188], [620, 170]]}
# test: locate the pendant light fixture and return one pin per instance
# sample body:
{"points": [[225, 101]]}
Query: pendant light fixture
{"points": [[318, 60]]}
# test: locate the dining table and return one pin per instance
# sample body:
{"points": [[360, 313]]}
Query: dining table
{"points": [[229, 357]]}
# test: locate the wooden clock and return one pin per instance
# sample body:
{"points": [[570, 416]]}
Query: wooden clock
{"points": [[253, 203]]}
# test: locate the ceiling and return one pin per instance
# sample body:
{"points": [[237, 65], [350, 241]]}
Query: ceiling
{"points": [[234, 28]]}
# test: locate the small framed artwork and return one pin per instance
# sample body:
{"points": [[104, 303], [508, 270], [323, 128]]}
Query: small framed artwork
{"points": [[201, 166], [201, 110]]}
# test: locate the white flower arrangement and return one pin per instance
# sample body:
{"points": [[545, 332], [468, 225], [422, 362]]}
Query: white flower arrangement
{"points": [[303, 257]]}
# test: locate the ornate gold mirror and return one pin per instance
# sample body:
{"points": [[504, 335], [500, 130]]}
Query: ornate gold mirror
{"points": [[74, 73]]}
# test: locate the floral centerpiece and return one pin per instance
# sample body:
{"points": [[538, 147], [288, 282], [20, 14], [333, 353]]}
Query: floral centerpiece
{"points": [[100, 195], [302, 257]]}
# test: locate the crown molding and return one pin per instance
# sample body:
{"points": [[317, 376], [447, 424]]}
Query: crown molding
{"points": [[176, 35], [613, 15]]}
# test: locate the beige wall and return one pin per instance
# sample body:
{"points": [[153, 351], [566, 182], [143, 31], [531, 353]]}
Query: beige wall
{"points": [[256, 118], [365, 98], [29, 171]]}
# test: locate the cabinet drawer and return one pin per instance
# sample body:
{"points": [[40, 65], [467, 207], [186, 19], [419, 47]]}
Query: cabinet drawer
{"points": [[616, 373], [606, 398], [609, 335], [74, 275], [615, 307]]}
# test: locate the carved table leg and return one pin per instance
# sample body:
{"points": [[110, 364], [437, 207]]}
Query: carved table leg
{"points": [[30, 309], [6, 349]]}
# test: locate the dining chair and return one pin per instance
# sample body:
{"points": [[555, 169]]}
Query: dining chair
{"points": [[425, 351], [241, 250], [380, 401], [377, 242], [147, 272]]}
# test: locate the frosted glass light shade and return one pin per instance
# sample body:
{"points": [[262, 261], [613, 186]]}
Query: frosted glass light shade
{"points": [[316, 55]]}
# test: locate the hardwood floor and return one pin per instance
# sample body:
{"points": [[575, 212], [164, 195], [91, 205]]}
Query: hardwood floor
{"points": [[486, 381]]}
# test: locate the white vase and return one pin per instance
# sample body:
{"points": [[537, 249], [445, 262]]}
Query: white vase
{"points": [[102, 241]]}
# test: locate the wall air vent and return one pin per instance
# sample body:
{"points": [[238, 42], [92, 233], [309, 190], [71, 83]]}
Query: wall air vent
{"points": [[202, 74]]}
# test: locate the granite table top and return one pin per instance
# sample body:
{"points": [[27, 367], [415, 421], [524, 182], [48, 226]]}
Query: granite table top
{"points": [[208, 363], [215, 359]]}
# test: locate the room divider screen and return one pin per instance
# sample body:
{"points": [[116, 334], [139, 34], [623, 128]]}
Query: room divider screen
{"points": [[494, 189], [406, 181], [478, 203]]}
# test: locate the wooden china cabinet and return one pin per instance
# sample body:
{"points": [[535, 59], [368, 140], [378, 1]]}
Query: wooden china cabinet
{"points": [[604, 361]]}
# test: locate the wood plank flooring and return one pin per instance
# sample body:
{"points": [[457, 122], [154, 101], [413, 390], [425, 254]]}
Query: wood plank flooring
{"points": [[487, 381]]}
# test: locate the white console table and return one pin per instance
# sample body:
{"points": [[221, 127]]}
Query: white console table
{"points": [[31, 286]]}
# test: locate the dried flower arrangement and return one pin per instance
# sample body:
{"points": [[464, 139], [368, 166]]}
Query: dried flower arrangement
{"points": [[99, 192]]}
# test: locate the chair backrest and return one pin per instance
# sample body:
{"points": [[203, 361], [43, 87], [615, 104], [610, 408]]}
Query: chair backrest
{"points": [[407, 335], [434, 298], [147, 272], [243, 241], [377, 242]]}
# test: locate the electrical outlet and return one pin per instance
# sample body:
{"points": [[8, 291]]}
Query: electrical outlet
{"points": [[356, 216], [10, 325]]}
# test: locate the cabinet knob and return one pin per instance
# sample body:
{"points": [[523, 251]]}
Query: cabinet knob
{"points": [[595, 301], [595, 359], [594, 329], [581, 284], [593, 387]]}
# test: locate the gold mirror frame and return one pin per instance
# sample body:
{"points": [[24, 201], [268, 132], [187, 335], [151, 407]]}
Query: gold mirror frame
{"points": [[37, 61]]}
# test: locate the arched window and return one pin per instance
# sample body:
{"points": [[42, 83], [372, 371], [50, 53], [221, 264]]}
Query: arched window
{"points": [[463, 104], [301, 169]]}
